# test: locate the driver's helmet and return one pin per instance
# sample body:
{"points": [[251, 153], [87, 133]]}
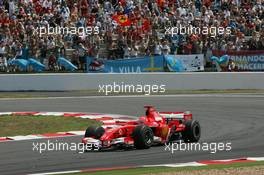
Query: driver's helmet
{"points": [[152, 114]]}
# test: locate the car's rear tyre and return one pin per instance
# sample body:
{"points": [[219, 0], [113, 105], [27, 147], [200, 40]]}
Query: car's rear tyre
{"points": [[192, 131], [143, 137], [94, 131]]}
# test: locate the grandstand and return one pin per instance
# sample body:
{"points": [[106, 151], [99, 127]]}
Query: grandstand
{"points": [[126, 29]]}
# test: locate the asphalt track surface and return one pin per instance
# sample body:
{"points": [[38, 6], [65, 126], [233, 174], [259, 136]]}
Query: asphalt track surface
{"points": [[227, 118]]}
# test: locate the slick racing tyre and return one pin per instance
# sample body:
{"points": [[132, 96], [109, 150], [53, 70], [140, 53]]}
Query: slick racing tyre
{"points": [[94, 131], [143, 137], [192, 131]]}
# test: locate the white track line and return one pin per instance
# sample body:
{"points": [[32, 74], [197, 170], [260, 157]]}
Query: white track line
{"points": [[175, 165], [256, 158], [61, 172]]}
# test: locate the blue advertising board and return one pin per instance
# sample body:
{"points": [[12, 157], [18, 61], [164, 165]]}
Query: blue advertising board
{"points": [[36, 65], [249, 60], [66, 64], [134, 65], [185, 63], [22, 64]]}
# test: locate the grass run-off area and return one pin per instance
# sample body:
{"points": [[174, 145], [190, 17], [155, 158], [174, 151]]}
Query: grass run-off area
{"points": [[235, 168], [12, 125]]}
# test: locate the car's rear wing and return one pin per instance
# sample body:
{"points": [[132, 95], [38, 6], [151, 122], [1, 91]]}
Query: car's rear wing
{"points": [[187, 115]]}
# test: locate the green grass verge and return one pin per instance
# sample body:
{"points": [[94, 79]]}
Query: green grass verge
{"points": [[40, 94], [26, 125], [155, 170]]}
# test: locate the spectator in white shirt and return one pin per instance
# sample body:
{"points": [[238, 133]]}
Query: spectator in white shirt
{"points": [[47, 4], [165, 48], [158, 49], [127, 51], [134, 51]]}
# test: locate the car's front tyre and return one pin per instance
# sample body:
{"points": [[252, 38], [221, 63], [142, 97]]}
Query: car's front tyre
{"points": [[143, 137], [94, 131]]}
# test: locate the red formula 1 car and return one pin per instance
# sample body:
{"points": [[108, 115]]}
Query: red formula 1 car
{"points": [[154, 128]]}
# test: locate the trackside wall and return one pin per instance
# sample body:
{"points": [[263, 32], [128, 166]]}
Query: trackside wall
{"points": [[173, 81]]}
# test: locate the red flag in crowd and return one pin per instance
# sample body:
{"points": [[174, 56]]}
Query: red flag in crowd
{"points": [[161, 2], [122, 20], [146, 25]]}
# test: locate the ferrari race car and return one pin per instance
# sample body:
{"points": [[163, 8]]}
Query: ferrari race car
{"points": [[152, 129]]}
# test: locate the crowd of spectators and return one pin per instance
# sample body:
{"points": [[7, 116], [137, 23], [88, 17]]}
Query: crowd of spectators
{"points": [[143, 34]]}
